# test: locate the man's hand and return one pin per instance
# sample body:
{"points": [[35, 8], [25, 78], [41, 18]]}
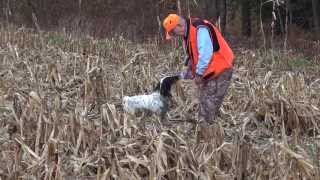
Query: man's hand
{"points": [[198, 79]]}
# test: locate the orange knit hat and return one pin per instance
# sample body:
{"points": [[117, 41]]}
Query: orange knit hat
{"points": [[169, 23]]}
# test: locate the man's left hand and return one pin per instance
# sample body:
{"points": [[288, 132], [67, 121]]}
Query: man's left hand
{"points": [[198, 79]]}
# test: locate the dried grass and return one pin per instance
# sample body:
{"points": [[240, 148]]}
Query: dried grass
{"points": [[61, 116]]}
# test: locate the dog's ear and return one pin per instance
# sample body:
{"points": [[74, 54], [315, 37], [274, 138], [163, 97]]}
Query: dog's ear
{"points": [[157, 87], [166, 84]]}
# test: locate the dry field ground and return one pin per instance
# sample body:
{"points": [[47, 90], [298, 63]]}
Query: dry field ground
{"points": [[61, 115]]}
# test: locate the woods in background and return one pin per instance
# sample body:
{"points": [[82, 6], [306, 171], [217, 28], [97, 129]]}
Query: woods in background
{"points": [[140, 19]]}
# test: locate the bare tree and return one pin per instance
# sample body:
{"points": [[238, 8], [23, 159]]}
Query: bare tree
{"points": [[246, 17], [210, 9], [223, 10], [179, 7], [216, 11], [316, 19]]}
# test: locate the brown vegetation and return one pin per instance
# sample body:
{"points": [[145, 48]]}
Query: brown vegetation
{"points": [[61, 116]]}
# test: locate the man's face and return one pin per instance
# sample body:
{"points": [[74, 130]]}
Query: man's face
{"points": [[178, 30]]}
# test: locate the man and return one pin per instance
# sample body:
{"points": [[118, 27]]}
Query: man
{"points": [[209, 63]]}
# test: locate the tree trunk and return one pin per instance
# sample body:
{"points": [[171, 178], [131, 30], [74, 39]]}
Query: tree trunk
{"points": [[210, 9], [286, 27], [179, 7], [316, 19], [280, 27], [246, 18], [188, 8], [223, 16]]}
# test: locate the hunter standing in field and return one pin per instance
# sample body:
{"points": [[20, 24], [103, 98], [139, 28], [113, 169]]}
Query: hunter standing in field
{"points": [[209, 63]]}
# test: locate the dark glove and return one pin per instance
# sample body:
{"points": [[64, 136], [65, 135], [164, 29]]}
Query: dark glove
{"points": [[198, 79]]}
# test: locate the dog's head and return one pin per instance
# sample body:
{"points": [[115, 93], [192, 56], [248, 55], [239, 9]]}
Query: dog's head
{"points": [[165, 84]]}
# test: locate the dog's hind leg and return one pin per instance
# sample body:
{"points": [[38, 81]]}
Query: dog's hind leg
{"points": [[164, 121]]}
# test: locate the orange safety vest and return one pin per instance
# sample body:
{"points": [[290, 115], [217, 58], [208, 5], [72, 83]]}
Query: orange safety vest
{"points": [[222, 57]]}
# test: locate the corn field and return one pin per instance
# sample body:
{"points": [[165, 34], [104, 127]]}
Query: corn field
{"points": [[61, 115]]}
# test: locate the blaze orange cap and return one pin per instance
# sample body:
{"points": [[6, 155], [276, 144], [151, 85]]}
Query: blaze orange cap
{"points": [[169, 23]]}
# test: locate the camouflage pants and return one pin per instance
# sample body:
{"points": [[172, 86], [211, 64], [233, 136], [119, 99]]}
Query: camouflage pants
{"points": [[211, 95]]}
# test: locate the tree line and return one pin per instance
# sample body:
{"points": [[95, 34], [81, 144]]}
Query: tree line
{"points": [[138, 19]]}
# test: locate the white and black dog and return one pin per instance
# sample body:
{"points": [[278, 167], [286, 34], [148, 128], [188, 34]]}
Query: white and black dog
{"points": [[156, 102]]}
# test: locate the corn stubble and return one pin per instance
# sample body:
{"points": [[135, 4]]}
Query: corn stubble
{"points": [[61, 115]]}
